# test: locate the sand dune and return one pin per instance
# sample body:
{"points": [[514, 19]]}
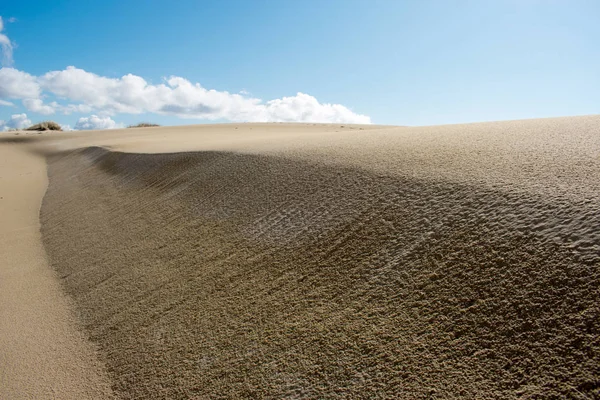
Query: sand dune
{"points": [[325, 261], [43, 355]]}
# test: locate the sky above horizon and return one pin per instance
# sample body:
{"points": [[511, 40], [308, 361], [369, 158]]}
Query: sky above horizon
{"points": [[109, 64]]}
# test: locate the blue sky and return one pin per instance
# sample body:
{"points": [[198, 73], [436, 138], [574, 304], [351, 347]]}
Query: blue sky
{"points": [[386, 62]]}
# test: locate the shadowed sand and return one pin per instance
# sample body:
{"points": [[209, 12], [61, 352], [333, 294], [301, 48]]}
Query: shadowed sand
{"points": [[323, 261]]}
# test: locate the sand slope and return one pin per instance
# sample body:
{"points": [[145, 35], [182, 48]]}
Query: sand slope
{"points": [[42, 353], [326, 261]]}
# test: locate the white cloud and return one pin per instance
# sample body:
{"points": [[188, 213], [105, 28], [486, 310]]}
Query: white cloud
{"points": [[73, 108], [131, 94], [177, 96], [306, 108], [16, 121], [6, 103], [96, 122], [6, 45], [15, 84], [38, 106]]}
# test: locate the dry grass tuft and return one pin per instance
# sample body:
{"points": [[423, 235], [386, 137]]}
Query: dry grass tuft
{"points": [[45, 126], [143, 125]]}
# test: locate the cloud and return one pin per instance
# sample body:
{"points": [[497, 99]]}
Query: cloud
{"points": [[15, 84], [6, 45], [96, 122], [6, 103], [16, 121], [131, 94], [72, 108], [87, 92], [306, 108], [38, 106]]}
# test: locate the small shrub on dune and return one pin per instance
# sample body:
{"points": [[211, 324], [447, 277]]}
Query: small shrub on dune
{"points": [[45, 126], [143, 125]]}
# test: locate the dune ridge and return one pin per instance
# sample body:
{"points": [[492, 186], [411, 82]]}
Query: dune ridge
{"points": [[271, 273]]}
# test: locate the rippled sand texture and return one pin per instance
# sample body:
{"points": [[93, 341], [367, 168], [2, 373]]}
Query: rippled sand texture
{"points": [[436, 262]]}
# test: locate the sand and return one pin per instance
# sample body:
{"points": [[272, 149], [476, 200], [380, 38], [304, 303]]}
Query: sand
{"points": [[43, 354], [330, 261]]}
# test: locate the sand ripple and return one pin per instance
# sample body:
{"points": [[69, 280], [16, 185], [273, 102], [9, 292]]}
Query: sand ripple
{"points": [[225, 275]]}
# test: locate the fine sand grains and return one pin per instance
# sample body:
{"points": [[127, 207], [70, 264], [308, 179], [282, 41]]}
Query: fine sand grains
{"points": [[299, 270], [42, 353]]}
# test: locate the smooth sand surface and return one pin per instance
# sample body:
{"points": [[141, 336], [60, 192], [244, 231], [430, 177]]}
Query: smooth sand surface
{"points": [[42, 353], [332, 261]]}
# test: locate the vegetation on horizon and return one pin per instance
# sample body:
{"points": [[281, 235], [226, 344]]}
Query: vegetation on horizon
{"points": [[143, 125], [45, 126]]}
